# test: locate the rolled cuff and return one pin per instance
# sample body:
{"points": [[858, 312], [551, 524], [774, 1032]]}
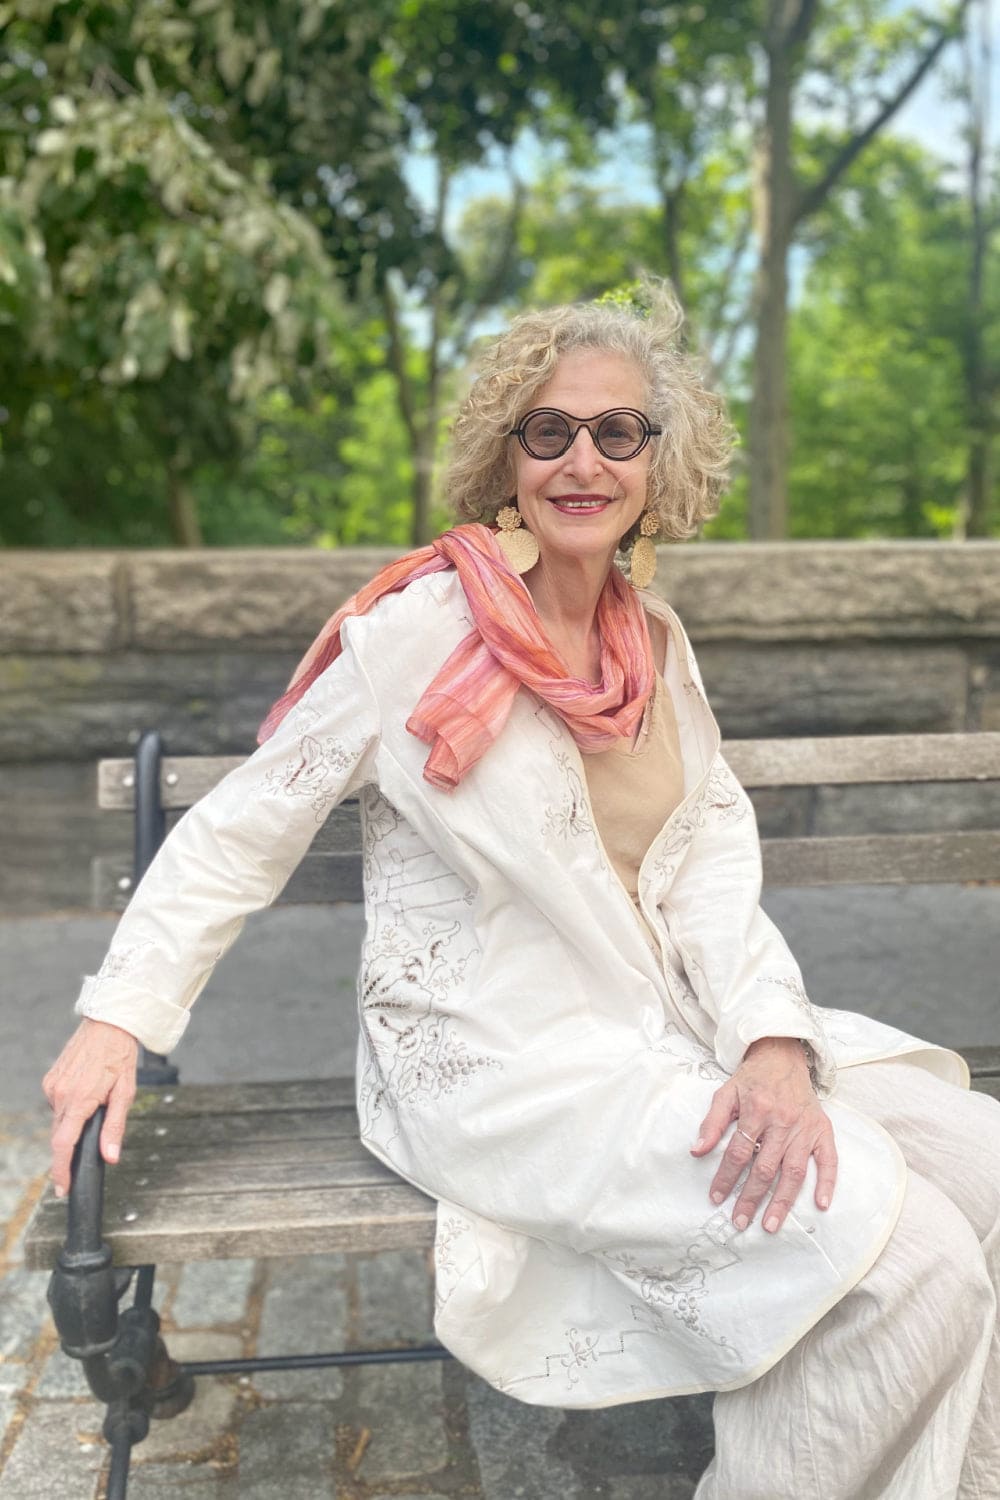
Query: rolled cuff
{"points": [[156, 1023]]}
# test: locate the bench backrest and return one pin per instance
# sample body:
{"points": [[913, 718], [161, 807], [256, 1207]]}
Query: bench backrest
{"points": [[331, 871]]}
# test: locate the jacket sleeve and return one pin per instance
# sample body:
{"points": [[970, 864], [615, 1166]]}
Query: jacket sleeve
{"points": [[231, 854], [739, 965]]}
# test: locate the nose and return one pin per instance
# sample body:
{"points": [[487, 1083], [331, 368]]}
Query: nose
{"points": [[583, 457]]}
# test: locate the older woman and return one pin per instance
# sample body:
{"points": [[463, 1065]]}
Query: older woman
{"points": [[579, 1031]]}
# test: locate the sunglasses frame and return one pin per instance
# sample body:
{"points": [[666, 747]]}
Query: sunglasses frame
{"points": [[591, 423]]}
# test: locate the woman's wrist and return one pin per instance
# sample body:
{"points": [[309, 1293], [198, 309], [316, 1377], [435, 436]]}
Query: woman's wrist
{"points": [[795, 1048]]}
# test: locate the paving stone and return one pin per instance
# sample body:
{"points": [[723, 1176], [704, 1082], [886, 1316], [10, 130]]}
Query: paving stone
{"points": [[61, 1378], [186, 1345], [24, 1146], [396, 1298], [648, 1487], [8, 1406], [212, 1292], [57, 1456], [189, 1481], [670, 1440], [423, 1495], [403, 1407], [196, 1431], [24, 1311], [305, 1312], [286, 1453], [513, 1443], [13, 1376], [11, 1195]]}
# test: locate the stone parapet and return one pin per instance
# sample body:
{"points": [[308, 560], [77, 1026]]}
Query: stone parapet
{"points": [[172, 600]]}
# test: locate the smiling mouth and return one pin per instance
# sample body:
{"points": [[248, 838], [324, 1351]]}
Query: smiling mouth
{"points": [[582, 505]]}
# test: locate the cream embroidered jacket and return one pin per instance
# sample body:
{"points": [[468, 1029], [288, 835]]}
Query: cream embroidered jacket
{"points": [[524, 1057]]}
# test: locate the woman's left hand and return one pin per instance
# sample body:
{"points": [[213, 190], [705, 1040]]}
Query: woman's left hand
{"points": [[772, 1101]]}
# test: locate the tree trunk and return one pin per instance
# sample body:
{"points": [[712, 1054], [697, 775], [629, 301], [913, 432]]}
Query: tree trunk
{"points": [[185, 527], [423, 467], [774, 190]]}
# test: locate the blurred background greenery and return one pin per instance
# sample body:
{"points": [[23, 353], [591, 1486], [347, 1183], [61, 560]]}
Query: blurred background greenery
{"points": [[246, 250]]}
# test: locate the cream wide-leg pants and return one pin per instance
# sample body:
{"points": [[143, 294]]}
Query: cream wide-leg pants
{"points": [[895, 1393]]}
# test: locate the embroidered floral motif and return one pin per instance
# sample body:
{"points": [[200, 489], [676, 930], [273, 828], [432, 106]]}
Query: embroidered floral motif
{"points": [[795, 990], [121, 962], [583, 1351], [570, 817], [677, 1292], [724, 796], [415, 1053], [721, 800], [316, 772], [447, 1270]]}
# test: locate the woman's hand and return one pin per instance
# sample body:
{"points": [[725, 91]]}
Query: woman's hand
{"points": [[771, 1099], [96, 1066]]}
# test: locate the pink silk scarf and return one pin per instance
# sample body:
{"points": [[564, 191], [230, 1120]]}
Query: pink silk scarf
{"points": [[463, 710]]}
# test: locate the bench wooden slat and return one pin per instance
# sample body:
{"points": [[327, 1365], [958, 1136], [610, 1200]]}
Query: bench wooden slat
{"points": [[225, 1174], [862, 859], [210, 1227], [831, 760], [241, 1098], [318, 877], [883, 859], [205, 1132], [861, 759]]}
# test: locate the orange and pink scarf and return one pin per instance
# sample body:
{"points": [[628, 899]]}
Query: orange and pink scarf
{"points": [[463, 710]]}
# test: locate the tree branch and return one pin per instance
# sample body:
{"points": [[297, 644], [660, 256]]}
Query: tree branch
{"points": [[813, 198], [803, 23]]}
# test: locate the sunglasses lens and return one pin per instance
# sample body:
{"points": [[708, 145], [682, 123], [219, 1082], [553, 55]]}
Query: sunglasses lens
{"points": [[620, 434], [546, 434]]}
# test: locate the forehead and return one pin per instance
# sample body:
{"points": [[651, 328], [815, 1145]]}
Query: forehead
{"points": [[588, 381]]}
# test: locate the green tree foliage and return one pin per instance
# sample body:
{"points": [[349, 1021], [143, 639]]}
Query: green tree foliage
{"points": [[877, 345], [168, 290]]}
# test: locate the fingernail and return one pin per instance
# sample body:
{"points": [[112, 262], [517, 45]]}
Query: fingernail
{"points": [[698, 1143], [823, 1202], [111, 1153], [741, 1221], [771, 1224], [60, 1190], [717, 1197]]}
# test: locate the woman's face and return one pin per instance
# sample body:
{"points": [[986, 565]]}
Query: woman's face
{"points": [[581, 504]]}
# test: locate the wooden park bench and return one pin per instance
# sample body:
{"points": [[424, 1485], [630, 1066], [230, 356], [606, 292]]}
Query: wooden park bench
{"points": [[213, 1172]]}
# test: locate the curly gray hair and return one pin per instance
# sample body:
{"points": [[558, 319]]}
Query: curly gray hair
{"points": [[690, 464]]}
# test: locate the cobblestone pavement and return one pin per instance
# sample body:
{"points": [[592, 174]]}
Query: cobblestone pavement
{"points": [[397, 1432]]}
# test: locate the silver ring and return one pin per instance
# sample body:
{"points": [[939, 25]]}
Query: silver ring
{"points": [[754, 1144]]}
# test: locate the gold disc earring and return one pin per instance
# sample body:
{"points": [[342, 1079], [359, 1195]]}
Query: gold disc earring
{"points": [[516, 542], [642, 563]]}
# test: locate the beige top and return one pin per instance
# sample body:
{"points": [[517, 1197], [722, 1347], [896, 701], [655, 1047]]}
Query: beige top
{"points": [[633, 790]]}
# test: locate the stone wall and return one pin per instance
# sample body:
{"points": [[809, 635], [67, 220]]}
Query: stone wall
{"points": [[793, 639]]}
